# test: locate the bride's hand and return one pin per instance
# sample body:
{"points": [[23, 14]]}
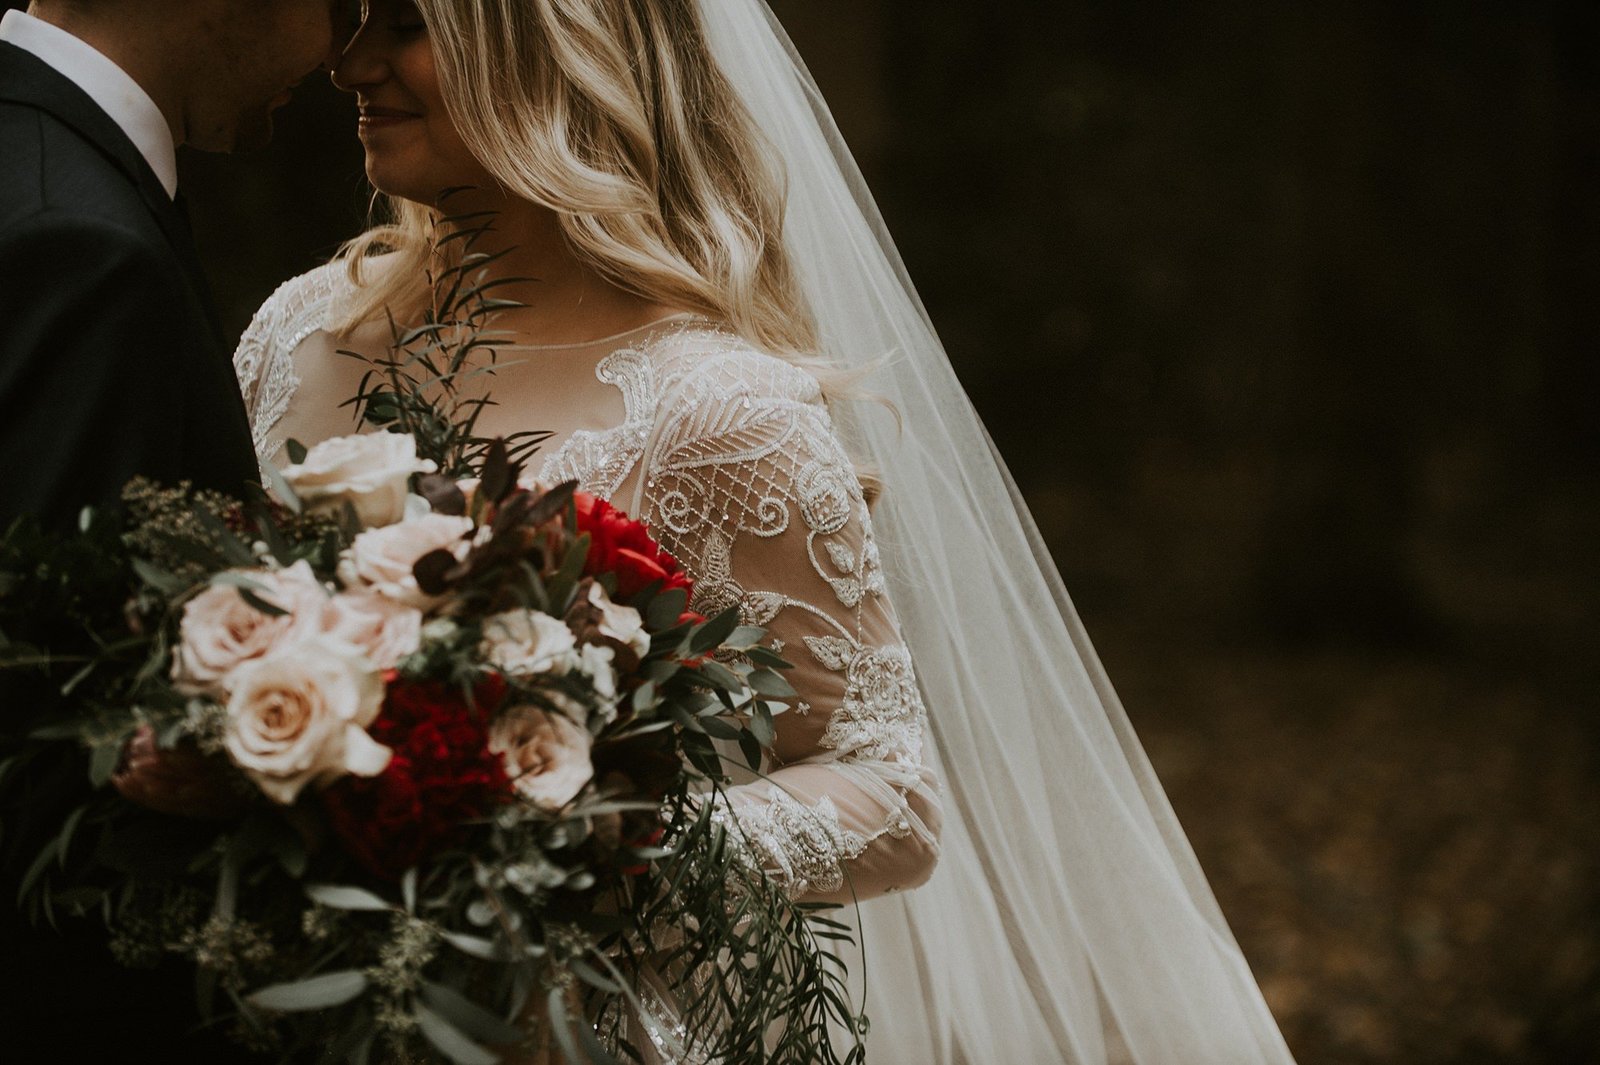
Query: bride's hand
{"points": [[181, 781]]}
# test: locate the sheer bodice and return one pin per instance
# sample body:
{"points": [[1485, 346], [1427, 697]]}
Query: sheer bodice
{"points": [[730, 458]]}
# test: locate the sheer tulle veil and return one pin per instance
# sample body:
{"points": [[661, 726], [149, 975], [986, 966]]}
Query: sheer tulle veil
{"points": [[1068, 919]]}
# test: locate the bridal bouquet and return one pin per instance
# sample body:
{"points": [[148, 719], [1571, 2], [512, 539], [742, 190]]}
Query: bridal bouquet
{"points": [[469, 731], [463, 734]]}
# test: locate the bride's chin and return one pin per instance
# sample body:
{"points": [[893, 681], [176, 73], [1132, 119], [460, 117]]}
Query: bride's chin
{"points": [[396, 185]]}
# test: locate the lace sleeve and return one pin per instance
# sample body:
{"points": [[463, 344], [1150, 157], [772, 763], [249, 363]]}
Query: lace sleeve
{"points": [[745, 481], [263, 361]]}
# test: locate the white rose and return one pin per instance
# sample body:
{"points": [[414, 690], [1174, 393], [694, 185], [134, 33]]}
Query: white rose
{"points": [[382, 559], [370, 470], [546, 755], [221, 631], [298, 717], [619, 622], [524, 643], [382, 629], [594, 662]]}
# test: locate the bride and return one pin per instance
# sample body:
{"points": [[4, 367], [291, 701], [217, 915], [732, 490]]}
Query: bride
{"points": [[708, 296]]}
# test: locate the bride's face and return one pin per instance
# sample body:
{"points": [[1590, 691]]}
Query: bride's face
{"points": [[413, 149]]}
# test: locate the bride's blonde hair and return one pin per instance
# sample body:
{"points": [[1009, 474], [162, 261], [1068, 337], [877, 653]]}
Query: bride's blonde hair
{"points": [[613, 114]]}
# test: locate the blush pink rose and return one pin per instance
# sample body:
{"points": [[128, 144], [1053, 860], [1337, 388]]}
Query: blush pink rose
{"points": [[546, 755], [298, 717], [381, 560], [382, 629], [221, 631]]}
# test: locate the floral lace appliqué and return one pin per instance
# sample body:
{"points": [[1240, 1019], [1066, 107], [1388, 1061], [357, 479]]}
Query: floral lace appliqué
{"points": [[803, 847]]}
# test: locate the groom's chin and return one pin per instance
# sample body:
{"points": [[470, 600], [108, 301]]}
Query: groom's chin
{"points": [[253, 131], [248, 131]]}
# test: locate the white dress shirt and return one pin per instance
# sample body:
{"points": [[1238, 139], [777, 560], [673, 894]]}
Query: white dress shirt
{"points": [[107, 84]]}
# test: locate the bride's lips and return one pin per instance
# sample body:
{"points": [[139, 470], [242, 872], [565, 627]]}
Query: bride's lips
{"points": [[384, 117]]}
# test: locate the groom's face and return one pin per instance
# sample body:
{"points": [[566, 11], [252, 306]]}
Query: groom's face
{"points": [[249, 55]]}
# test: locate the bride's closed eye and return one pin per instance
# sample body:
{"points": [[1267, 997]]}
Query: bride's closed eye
{"points": [[405, 20], [399, 17]]}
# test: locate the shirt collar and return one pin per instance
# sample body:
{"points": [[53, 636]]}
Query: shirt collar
{"points": [[108, 85]]}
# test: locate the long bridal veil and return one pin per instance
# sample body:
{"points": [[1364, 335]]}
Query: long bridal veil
{"points": [[1068, 920]]}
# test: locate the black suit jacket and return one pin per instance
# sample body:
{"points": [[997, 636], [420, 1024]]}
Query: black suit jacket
{"points": [[111, 360], [111, 365]]}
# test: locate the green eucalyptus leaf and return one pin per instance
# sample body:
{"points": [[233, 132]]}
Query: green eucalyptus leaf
{"points": [[468, 1016], [342, 897], [64, 837], [591, 976], [720, 729], [314, 993], [476, 946], [158, 578], [665, 609], [751, 749], [61, 730], [103, 762], [451, 1041], [765, 656], [761, 724], [561, 1026], [36, 870], [769, 682], [594, 1052], [710, 634], [721, 675], [280, 488]]}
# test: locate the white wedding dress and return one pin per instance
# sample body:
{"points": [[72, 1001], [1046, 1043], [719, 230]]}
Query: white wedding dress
{"points": [[729, 456], [1068, 920]]}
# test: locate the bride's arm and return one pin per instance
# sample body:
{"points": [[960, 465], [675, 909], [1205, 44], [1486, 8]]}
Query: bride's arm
{"points": [[748, 484]]}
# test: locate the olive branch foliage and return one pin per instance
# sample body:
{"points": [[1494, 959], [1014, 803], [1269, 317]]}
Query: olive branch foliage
{"points": [[420, 385], [521, 932]]}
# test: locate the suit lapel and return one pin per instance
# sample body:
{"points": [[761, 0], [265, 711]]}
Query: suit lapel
{"points": [[26, 79]]}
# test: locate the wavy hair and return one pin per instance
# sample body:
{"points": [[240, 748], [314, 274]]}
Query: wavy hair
{"points": [[613, 114]]}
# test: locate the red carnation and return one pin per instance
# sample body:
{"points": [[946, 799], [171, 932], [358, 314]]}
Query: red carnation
{"points": [[442, 775], [621, 546]]}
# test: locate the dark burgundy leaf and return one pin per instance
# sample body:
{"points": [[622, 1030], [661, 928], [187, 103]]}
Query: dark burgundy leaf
{"points": [[433, 571], [442, 493]]}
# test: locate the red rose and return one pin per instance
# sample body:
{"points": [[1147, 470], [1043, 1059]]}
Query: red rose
{"points": [[442, 776], [623, 547]]}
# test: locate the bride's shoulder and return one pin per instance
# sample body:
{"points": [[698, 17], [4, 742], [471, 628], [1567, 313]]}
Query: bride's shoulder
{"points": [[315, 290], [710, 358], [314, 299], [301, 306]]}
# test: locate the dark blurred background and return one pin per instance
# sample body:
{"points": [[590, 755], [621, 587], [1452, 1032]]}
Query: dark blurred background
{"points": [[1278, 313]]}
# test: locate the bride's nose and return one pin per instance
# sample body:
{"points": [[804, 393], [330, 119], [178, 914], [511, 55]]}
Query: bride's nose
{"points": [[361, 62]]}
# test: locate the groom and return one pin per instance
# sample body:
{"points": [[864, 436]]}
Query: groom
{"points": [[112, 361]]}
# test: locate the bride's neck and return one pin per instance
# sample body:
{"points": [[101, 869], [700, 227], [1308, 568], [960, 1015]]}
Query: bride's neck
{"points": [[564, 300]]}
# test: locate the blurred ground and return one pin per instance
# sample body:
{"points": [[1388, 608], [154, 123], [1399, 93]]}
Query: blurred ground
{"points": [[1404, 838], [1406, 848]]}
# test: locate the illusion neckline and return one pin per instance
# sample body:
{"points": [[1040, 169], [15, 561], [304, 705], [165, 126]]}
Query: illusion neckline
{"points": [[681, 316]]}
